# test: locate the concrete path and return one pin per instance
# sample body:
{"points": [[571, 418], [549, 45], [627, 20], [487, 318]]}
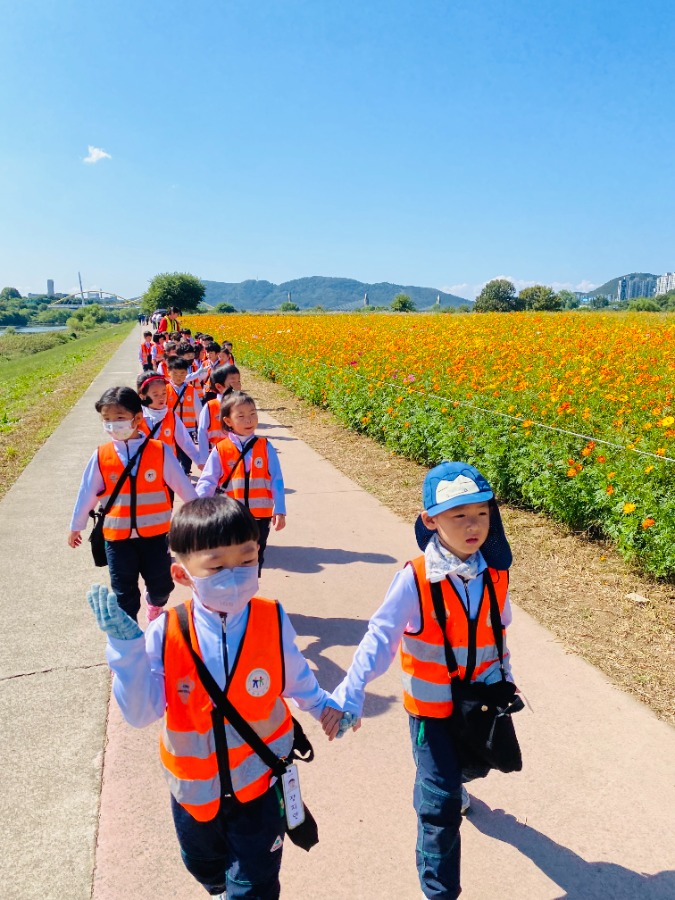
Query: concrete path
{"points": [[591, 816]]}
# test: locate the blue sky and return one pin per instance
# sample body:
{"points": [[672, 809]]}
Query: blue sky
{"points": [[431, 143]]}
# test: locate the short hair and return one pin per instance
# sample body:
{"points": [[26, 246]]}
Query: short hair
{"points": [[157, 336], [212, 347], [220, 374], [184, 347], [147, 334], [230, 400], [211, 522], [177, 362], [125, 397], [185, 331]]}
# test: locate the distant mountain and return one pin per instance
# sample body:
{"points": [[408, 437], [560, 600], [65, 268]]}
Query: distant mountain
{"points": [[638, 284], [331, 293]]}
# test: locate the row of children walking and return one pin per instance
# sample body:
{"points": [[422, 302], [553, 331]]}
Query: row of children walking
{"points": [[219, 669]]}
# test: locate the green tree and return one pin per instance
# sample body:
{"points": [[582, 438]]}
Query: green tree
{"points": [[644, 304], [539, 297], [225, 308], [568, 299], [289, 306], [498, 295], [9, 293], [403, 303], [599, 302], [169, 289]]}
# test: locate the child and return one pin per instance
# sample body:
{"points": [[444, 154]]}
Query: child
{"points": [[158, 341], [183, 400], [135, 529], [227, 807], [247, 467], [227, 345], [464, 547], [152, 389], [224, 380], [170, 352], [211, 349], [145, 352]]}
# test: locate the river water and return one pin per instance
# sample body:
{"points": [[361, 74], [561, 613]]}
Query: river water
{"points": [[37, 329]]}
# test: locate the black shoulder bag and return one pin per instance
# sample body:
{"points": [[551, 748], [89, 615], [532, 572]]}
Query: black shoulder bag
{"points": [[305, 835], [481, 715], [96, 538]]}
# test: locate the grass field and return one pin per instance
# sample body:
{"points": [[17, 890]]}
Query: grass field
{"points": [[41, 377], [569, 414]]}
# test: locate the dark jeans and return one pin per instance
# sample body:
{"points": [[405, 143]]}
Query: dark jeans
{"points": [[239, 851], [437, 802], [264, 528], [147, 557], [184, 460]]}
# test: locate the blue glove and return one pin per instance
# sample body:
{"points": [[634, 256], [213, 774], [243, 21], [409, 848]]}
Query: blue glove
{"points": [[347, 721], [109, 617]]}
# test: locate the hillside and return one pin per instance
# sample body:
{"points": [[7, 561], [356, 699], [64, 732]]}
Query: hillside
{"points": [[330, 293], [640, 281]]}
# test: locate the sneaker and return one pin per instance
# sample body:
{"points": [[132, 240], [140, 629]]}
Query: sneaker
{"points": [[466, 801], [154, 611]]}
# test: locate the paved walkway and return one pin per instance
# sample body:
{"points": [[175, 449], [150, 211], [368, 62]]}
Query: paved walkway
{"points": [[591, 816]]}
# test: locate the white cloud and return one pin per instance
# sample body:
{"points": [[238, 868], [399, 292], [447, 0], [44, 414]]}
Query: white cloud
{"points": [[96, 155]]}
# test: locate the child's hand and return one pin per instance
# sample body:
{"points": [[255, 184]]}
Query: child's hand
{"points": [[109, 617], [330, 721], [348, 720], [278, 521], [74, 539]]}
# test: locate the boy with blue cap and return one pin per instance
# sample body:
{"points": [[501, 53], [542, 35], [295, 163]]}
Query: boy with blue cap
{"points": [[466, 553]]}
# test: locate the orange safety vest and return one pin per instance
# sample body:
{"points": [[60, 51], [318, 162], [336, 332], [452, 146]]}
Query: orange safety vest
{"points": [[183, 405], [187, 746], [215, 429], [166, 433], [146, 353], [253, 488], [143, 502], [426, 680]]}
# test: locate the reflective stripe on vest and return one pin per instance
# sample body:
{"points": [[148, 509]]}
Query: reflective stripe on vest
{"points": [[215, 432], [139, 504], [253, 488], [184, 407], [166, 433], [426, 680], [187, 742]]}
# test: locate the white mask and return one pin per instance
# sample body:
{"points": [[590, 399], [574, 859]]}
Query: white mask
{"points": [[156, 415], [227, 591], [120, 431]]}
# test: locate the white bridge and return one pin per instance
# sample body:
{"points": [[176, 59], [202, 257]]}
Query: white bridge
{"points": [[88, 298]]}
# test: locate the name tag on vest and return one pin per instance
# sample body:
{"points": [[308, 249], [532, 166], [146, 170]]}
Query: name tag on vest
{"points": [[295, 808]]}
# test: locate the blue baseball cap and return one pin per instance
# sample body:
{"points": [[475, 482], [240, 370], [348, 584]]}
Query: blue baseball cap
{"points": [[453, 484]]}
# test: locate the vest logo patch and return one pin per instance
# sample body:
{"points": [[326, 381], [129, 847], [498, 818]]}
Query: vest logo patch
{"points": [[258, 682], [184, 687], [114, 477], [167, 432], [230, 463], [258, 463], [151, 475]]}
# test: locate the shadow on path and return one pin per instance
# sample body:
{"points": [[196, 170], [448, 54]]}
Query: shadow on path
{"points": [[314, 559], [336, 633], [578, 879]]}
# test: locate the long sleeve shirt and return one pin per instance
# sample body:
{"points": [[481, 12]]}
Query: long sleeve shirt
{"points": [[213, 472], [92, 483], [180, 433], [400, 612], [203, 434], [137, 664]]}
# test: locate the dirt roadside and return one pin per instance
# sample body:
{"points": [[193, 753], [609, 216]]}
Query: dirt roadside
{"points": [[577, 588]]}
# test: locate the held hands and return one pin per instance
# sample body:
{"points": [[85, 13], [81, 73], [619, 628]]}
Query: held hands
{"points": [[336, 723], [109, 617]]}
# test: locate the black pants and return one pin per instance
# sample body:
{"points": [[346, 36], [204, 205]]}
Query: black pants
{"points": [[239, 850], [144, 556], [264, 528], [184, 460]]}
